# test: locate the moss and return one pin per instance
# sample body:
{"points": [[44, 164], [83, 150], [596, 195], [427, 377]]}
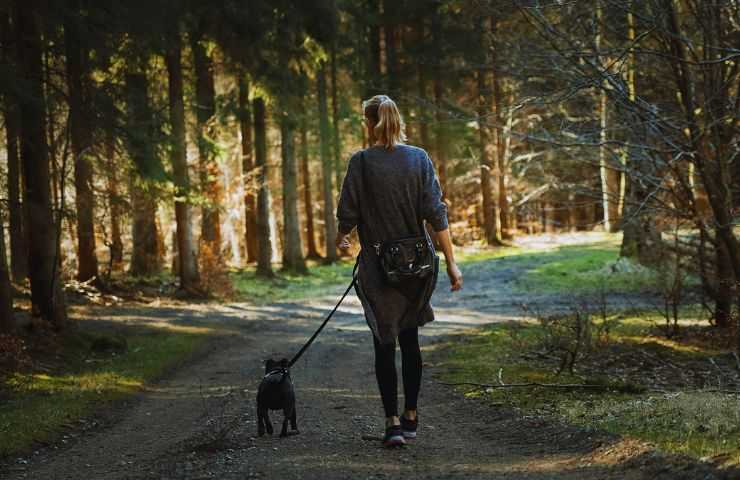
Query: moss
{"points": [[250, 287], [699, 423], [38, 404]]}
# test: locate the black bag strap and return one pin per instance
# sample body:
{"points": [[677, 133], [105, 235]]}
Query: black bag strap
{"points": [[367, 193]]}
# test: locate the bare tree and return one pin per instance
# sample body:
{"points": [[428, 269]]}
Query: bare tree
{"points": [[187, 261], [46, 292], [264, 259], [81, 133]]}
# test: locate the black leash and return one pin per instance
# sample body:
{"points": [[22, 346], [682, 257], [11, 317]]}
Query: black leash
{"points": [[328, 317]]}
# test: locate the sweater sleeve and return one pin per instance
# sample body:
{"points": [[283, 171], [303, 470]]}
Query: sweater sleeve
{"points": [[434, 209], [348, 208]]}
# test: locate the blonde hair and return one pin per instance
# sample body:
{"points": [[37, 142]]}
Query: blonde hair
{"points": [[389, 128]]}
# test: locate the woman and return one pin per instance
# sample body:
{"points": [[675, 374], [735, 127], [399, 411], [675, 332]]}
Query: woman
{"points": [[392, 196]]}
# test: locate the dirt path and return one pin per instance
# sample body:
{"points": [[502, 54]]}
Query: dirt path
{"points": [[168, 431]]}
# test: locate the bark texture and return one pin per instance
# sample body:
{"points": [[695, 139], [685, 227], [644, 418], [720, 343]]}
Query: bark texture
{"points": [[205, 110], [47, 297], [330, 224], [115, 204], [7, 320], [18, 243], [307, 195], [146, 258], [187, 260], [292, 246], [248, 172], [264, 259], [487, 146], [81, 135], [17, 230]]}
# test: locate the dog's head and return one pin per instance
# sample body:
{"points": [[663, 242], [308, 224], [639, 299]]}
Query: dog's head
{"points": [[271, 365]]}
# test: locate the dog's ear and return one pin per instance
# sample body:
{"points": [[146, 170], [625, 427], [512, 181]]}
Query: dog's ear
{"points": [[270, 364], [284, 363]]}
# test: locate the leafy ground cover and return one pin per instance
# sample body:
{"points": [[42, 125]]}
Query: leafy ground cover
{"points": [[679, 392], [250, 287], [81, 371], [682, 394]]}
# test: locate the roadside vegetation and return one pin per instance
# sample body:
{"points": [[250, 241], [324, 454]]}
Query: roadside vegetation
{"points": [[248, 286], [630, 370], [60, 381]]}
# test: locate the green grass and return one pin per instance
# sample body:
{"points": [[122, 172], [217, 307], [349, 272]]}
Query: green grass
{"points": [[289, 286], [587, 269], [36, 406], [471, 257], [697, 423]]}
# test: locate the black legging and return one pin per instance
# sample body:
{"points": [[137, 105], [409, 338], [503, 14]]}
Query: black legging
{"points": [[385, 371]]}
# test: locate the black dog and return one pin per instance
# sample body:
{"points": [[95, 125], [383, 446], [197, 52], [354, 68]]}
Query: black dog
{"points": [[276, 393]]}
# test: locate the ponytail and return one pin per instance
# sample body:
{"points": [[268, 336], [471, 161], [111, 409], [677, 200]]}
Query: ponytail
{"points": [[389, 127]]}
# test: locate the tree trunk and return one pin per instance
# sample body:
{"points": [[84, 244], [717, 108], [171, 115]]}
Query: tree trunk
{"points": [[18, 240], [307, 197], [607, 174], [292, 246], [712, 162], [631, 89], [440, 140], [337, 143], [487, 147], [504, 149], [7, 319], [47, 296], [603, 168], [421, 72], [114, 203], [264, 259], [330, 224], [78, 82], [725, 286], [146, 258], [248, 172], [210, 185], [373, 76], [187, 259], [391, 36], [18, 243]]}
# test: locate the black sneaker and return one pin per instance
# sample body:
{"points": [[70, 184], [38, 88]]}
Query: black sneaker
{"points": [[393, 437], [408, 427]]}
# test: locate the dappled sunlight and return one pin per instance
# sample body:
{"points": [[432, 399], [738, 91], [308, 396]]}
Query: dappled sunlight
{"points": [[676, 346], [532, 464], [98, 382]]}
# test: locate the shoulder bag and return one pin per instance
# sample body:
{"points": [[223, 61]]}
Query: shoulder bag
{"points": [[401, 259]]}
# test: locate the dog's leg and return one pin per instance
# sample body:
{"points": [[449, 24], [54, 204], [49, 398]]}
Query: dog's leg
{"points": [[294, 420], [268, 422], [260, 420], [286, 418]]}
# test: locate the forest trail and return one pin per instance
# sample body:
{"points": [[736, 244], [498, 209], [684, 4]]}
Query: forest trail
{"points": [[166, 432]]}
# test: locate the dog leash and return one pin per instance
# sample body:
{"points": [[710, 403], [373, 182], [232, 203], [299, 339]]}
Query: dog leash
{"points": [[328, 317]]}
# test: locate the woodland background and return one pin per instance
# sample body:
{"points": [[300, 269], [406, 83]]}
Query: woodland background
{"points": [[192, 138]]}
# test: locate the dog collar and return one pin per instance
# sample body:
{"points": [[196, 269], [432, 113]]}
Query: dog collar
{"points": [[282, 371]]}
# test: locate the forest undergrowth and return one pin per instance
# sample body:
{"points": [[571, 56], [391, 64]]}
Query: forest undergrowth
{"points": [[56, 383], [627, 369]]}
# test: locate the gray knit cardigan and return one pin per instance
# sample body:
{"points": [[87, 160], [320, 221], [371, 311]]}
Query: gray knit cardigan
{"points": [[406, 194]]}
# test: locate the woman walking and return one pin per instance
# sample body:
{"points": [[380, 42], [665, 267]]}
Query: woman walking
{"points": [[391, 192]]}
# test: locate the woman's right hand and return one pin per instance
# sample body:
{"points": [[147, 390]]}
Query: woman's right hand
{"points": [[342, 241], [456, 278]]}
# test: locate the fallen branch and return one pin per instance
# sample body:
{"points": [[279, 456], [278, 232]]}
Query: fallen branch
{"points": [[485, 386], [697, 390]]}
